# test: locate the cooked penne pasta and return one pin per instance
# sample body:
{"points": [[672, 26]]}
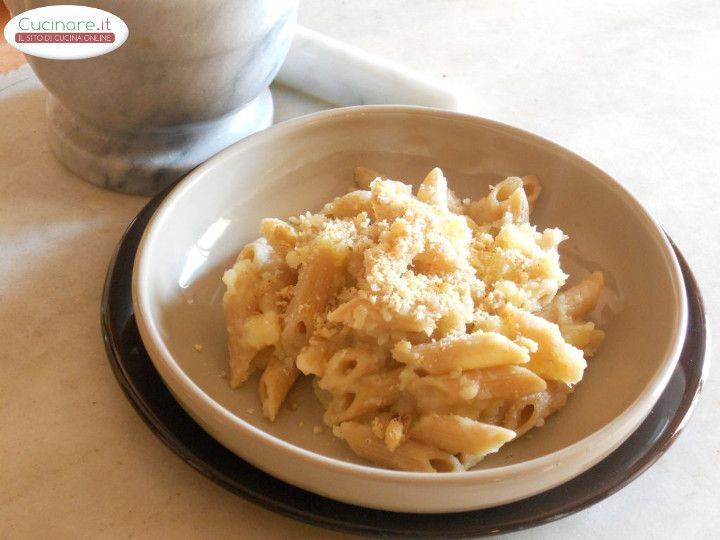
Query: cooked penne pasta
{"points": [[577, 301], [370, 394], [317, 284], [390, 199], [582, 336], [275, 383], [507, 197], [435, 329], [280, 235], [362, 315], [313, 358], [471, 351], [248, 303], [505, 382], [442, 394], [434, 189], [453, 393], [364, 176], [239, 303], [555, 359], [460, 435], [350, 205], [347, 366], [531, 411], [409, 456]]}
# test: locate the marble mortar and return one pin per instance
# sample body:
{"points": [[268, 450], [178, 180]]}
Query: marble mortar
{"points": [[191, 79]]}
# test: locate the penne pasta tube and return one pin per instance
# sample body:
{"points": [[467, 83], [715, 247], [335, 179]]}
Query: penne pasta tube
{"points": [[583, 336], [505, 382], [582, 298], [364, 177], [318, 281], [280, 235], [507, 196], [390, 199], [471, 351], [239, 303], [408, 456], [457, 434], [434, 189], [449, 393], [532, 410], [347, 366], [275, 383], [313, 358], [369, 394], [350, 205], [554, 359], [361, 314]]}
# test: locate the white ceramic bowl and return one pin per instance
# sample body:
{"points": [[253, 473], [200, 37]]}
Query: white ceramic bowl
{"points": [[198, 230]]}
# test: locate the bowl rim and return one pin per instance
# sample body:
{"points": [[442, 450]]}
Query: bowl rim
{"points": [[625, 422]]}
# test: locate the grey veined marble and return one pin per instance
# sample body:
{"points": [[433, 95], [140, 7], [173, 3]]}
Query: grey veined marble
{"points": [[190, 80]]}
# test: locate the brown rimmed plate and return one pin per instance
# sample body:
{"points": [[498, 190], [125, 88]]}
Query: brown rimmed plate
{"points": [[157, 407]]}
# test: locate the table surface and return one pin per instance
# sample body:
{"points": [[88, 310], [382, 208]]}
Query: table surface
{"points": [[631, 86]]}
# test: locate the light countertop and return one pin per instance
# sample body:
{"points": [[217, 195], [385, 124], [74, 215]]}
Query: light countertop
{"points": [[631, 86]]}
